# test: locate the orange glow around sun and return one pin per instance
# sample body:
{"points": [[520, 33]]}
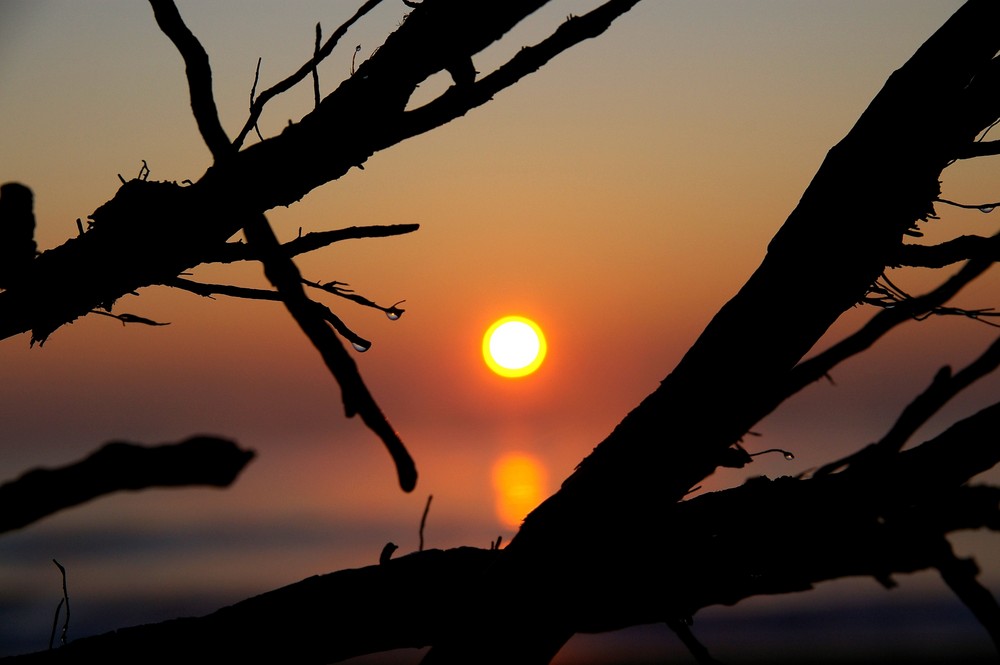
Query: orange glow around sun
{"points": [[518, 485], [514, 346]]}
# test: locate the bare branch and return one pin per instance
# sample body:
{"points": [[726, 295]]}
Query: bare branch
{"points": [[199, 76], [200, 460], [209, 290], [979, 149], [981, 207], [960, 576], [460, 99], [313, 319], [943, 387], [818, 366], [315, 70], [257, 106], [959, 249], [678, 571], [239, 251], [129, 318]]}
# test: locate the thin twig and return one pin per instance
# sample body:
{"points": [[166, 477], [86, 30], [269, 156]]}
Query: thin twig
{"points": [[315, 70], [258, 106], [64, 602], [697, 649], [423, 521], [130, 318]]}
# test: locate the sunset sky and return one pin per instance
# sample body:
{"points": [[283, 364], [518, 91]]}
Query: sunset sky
{"points": [[618, 197]]}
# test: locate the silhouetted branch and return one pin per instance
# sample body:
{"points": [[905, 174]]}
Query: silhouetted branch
{"points": [[818, 366], [459, 99], [943, 387], [959, 249], [210, 290], [851, 524], [313, 319], [17, 234], [980, 149], [960, 576], [117, 466], [257, 105], [199, 76], [237, 251], [126, 318]]}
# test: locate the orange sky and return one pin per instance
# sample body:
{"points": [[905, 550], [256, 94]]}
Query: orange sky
{"points": [[618, 197]]}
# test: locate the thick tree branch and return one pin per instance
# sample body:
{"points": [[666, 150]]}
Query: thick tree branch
{"points": [[117, 466], [845, 525], [821, 262]]}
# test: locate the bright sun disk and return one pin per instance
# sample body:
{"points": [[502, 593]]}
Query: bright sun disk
{"points": [[514, 346]]}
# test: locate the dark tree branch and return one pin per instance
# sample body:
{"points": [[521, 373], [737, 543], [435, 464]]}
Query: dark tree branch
{"points": [[818, 366], [199, 76], [851, 524], [458, 100], [943, 387], [959, 249], [820, 264], [209, 290], [361, 116], [117, 466], [238, 251], [313, 319], [978, 149], [320, 54], [960, 576]]}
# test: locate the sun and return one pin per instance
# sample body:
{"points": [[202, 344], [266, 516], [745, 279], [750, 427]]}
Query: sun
{"points": [[514, 346]]}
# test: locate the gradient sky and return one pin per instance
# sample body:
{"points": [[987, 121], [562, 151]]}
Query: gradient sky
{"points": [[618, 197]]}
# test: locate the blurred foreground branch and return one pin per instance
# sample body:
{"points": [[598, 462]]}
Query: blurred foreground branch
{"points": [[117, 466]]}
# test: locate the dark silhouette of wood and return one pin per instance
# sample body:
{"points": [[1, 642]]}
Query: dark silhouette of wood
{"points": [[17, 234], [822, 262], [118, 466], [789, 533], [619, 522]]}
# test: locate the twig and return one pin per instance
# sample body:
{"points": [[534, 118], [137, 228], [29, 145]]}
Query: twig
{"points": [[284, 275], [253, 93], [423, 521], [818, 366], [958, 249], [238, 251], [315, 69], [258, 106], [199, 76], [981, 207], [130, 318], [63, 602], [393, 311]]}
